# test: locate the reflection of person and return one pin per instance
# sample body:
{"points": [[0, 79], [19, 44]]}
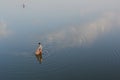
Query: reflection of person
{"points": [[38, 53]]}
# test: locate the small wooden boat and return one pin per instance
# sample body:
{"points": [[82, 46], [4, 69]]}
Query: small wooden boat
{"points": [[38, 51]]}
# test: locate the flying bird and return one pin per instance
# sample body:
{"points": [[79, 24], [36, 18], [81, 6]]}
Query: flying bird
{"points": [[23, 5]]}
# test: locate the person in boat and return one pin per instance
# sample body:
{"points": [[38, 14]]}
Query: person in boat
{"points": [[38, 53], [39, 49]]}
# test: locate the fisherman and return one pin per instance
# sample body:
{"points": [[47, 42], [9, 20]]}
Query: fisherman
{"points": [[39, 49]]}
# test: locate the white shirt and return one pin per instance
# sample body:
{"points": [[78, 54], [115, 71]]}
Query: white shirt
{"points": [[39, 50], [40, 47]]}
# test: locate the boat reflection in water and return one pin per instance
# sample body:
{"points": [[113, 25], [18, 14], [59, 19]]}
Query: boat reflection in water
{"points": [[39, 58]]}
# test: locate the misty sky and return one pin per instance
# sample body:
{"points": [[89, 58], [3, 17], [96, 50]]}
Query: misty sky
{"points": [[77, 22]]}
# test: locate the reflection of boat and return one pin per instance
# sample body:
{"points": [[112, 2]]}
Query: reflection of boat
{"points": [[39, 58]]}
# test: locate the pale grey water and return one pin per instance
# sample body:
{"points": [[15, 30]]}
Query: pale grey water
{"points": [[81, 40]]}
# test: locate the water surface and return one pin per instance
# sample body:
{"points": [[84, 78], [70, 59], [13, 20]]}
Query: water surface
{"points": [[80, 39]]}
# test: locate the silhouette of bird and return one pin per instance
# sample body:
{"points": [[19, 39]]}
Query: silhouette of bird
{"points": [[23, 5]]}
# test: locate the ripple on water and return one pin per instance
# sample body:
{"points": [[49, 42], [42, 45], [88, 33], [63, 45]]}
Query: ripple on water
{"points": [[53, 62]]}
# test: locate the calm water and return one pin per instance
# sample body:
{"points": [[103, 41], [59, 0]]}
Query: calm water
{"points": [[80, 39]]}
